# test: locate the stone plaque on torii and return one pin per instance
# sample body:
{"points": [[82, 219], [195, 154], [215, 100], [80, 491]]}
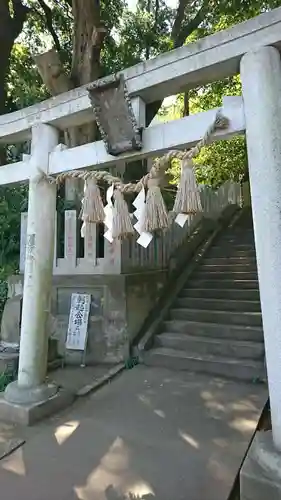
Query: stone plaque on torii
{"points": [[114, 115]]}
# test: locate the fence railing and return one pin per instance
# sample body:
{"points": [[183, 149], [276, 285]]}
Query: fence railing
{"points": [[98, 256], [158, 254]]}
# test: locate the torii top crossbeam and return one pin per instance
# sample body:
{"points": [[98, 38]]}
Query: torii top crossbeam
{"points": [[212, 58], [209, 59]]}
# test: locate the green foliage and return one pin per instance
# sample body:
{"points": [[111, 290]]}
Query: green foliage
{"points": [[12, 202], [225, 159], [131, 362], [222, 161], [141, 36], [6, 378], [24, 85]]}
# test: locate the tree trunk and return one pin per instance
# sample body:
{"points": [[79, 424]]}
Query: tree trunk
{"points": [[186, 103], [88, 36], [10, 28], [6, 47]]}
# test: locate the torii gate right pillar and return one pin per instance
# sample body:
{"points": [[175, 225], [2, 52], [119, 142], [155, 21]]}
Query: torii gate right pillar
{"points": [[261, 84]]}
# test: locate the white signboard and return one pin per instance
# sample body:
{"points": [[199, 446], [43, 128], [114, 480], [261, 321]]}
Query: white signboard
{"points": [[78, 321]]}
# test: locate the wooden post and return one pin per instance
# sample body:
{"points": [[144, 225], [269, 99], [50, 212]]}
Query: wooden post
{"points": [[70, 238], [91, 243]]}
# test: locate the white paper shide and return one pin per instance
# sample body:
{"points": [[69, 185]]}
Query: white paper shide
{"points": [[108, 209], [139, 203], [181, 219]]}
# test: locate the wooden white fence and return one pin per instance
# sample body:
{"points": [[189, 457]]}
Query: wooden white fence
{"points": [[162, 247], [128, 255]]}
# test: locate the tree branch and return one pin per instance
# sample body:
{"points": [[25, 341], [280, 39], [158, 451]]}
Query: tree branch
{"points": [[156, 13], [49, 23], [186, 30], [178, 36], [20, 15], [88, 37], [178, 20], [4, 10], [66, 6]]}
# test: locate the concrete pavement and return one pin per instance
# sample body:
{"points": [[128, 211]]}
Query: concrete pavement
{"points": [[150, 434]]}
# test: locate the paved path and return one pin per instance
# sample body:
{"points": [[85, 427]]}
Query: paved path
{"points": [[151, 434]]}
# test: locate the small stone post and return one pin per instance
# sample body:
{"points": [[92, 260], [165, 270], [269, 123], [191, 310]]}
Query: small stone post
{"points": [[261, 84], [30, 386]]}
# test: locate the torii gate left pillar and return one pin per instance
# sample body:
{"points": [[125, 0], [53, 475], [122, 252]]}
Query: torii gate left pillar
{"points": [[30, 392]]}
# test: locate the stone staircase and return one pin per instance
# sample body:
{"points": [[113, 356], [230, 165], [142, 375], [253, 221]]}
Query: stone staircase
{"points": [[215, 324]]}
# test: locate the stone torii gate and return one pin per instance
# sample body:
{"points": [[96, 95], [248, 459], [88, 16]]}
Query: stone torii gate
{"points": [[251, 49]]}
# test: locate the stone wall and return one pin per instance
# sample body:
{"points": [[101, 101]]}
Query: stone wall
{"points": [[246, 194], [107, 321], [142, 292], [118, 308]]}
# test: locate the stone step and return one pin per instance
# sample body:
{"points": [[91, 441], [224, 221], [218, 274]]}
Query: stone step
{"points": [[237, 243], [214, 330], [228, 267], [206, 345], [214, 365], [222, 261], [224, 283], [232, 275], [218, 317], [238, 238], [240, 229], [216, 293], [237, 247], [223, 304], [230, 251]]}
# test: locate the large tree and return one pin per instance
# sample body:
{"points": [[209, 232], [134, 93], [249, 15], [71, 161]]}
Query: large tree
{"points": [[12, 17]]}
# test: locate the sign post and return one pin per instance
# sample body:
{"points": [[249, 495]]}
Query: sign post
{"points": [[77, 333]]}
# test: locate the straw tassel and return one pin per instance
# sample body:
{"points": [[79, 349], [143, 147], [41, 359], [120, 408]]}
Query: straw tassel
{"points": [[156, 215], [92, 206], [122, 222], [188, 199]]}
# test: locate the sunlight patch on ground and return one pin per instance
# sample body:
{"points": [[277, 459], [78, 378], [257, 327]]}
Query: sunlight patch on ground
{"points": [[63, 432], [189, 439], [243, 405], [243, 424], [144, 399], [222, 443], [111, 471], [15, 463], [160, 413], [139, 490], [220, 471], [206, 395]]}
